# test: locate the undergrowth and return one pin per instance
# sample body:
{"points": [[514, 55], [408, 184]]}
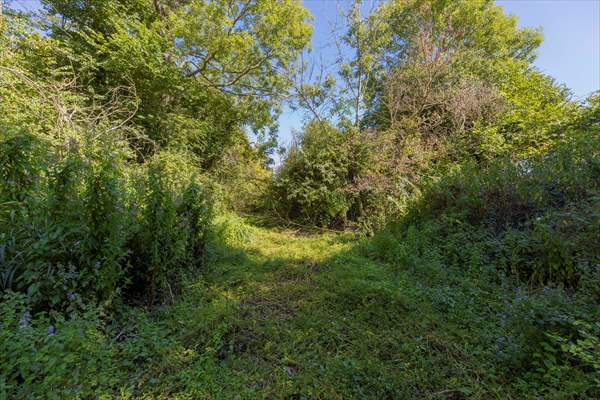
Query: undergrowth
{"points": [[281, 314]]}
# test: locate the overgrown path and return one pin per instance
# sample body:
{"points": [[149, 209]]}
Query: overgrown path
{"points": [[283, 315]]}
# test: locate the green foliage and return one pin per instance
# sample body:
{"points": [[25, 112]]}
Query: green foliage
{"points": [[542, 209], [318, 318], [82, 227], [75, 201], [538, 111], [46, 358], [585, 347], [588, 119], [311, 183], [186, 87], [47, 355], [69, 224], [443, 36], [243, 179], [491, 31], [174, 218], [104, 215], [228, 239], [445, 84], [330, 179], [21, 159], [513, 228], [533, 323], [123, 150]]}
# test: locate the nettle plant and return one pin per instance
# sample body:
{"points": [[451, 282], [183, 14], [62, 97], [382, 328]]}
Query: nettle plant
{"points": [[173, 218], [81, 228]]}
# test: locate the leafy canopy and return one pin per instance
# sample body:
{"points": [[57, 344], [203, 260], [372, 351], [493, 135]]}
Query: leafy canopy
{"points": [[202, 71]]}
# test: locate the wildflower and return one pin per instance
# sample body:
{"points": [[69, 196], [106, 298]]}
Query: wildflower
{"points": [[25, 319]]}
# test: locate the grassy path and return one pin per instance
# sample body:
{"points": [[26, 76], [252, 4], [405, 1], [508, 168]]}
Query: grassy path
{"points": [[285, 316]]}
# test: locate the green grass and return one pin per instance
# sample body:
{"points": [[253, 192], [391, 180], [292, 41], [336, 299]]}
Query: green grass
{"points": [[289, 316], [280, 314]]}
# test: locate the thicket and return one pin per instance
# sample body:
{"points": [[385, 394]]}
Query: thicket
{"points": [[123, 132], [80, 225], [121, 127], [482, 172], [319, 182], [82, 222], [431, 85], [528, 231]]}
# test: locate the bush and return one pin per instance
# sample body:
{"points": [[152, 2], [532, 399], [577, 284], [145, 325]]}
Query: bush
{"points": [[85, 355], [541, 211], [107, 224], [22, 161], [243, 179], [82, 226], [334, 178], [310, 185], [70, 227], [526, 235], [542, 336], [173, 220]]}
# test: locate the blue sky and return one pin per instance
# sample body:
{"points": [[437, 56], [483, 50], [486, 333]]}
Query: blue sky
{"points": [[570, 52]]}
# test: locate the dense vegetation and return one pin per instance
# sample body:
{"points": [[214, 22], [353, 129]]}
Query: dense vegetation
{"points": [[149, 248]]}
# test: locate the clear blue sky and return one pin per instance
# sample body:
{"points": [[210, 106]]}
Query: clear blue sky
{"points": [[570, 51]]}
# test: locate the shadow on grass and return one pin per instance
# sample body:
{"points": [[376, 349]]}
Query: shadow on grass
{"points": [[281, 316]]}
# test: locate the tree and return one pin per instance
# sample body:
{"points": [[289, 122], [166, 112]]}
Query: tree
{"points": [[203, 71], [449, 69], [425, 85]]}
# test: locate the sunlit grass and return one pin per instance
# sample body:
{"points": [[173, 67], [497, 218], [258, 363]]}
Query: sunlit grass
{"points": [[293, 315]]}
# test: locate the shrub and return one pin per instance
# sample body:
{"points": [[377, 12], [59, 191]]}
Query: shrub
{"points": [[541, 210], [526, 234], [107, 223], [83, 227], [172, 222], [85, 355], [541, 335], [243, 179], [334, 178], [22, 162], [310, 185]]}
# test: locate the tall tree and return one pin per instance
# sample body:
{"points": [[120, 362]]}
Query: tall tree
{"points": [[447, 67], [202, 71]]}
